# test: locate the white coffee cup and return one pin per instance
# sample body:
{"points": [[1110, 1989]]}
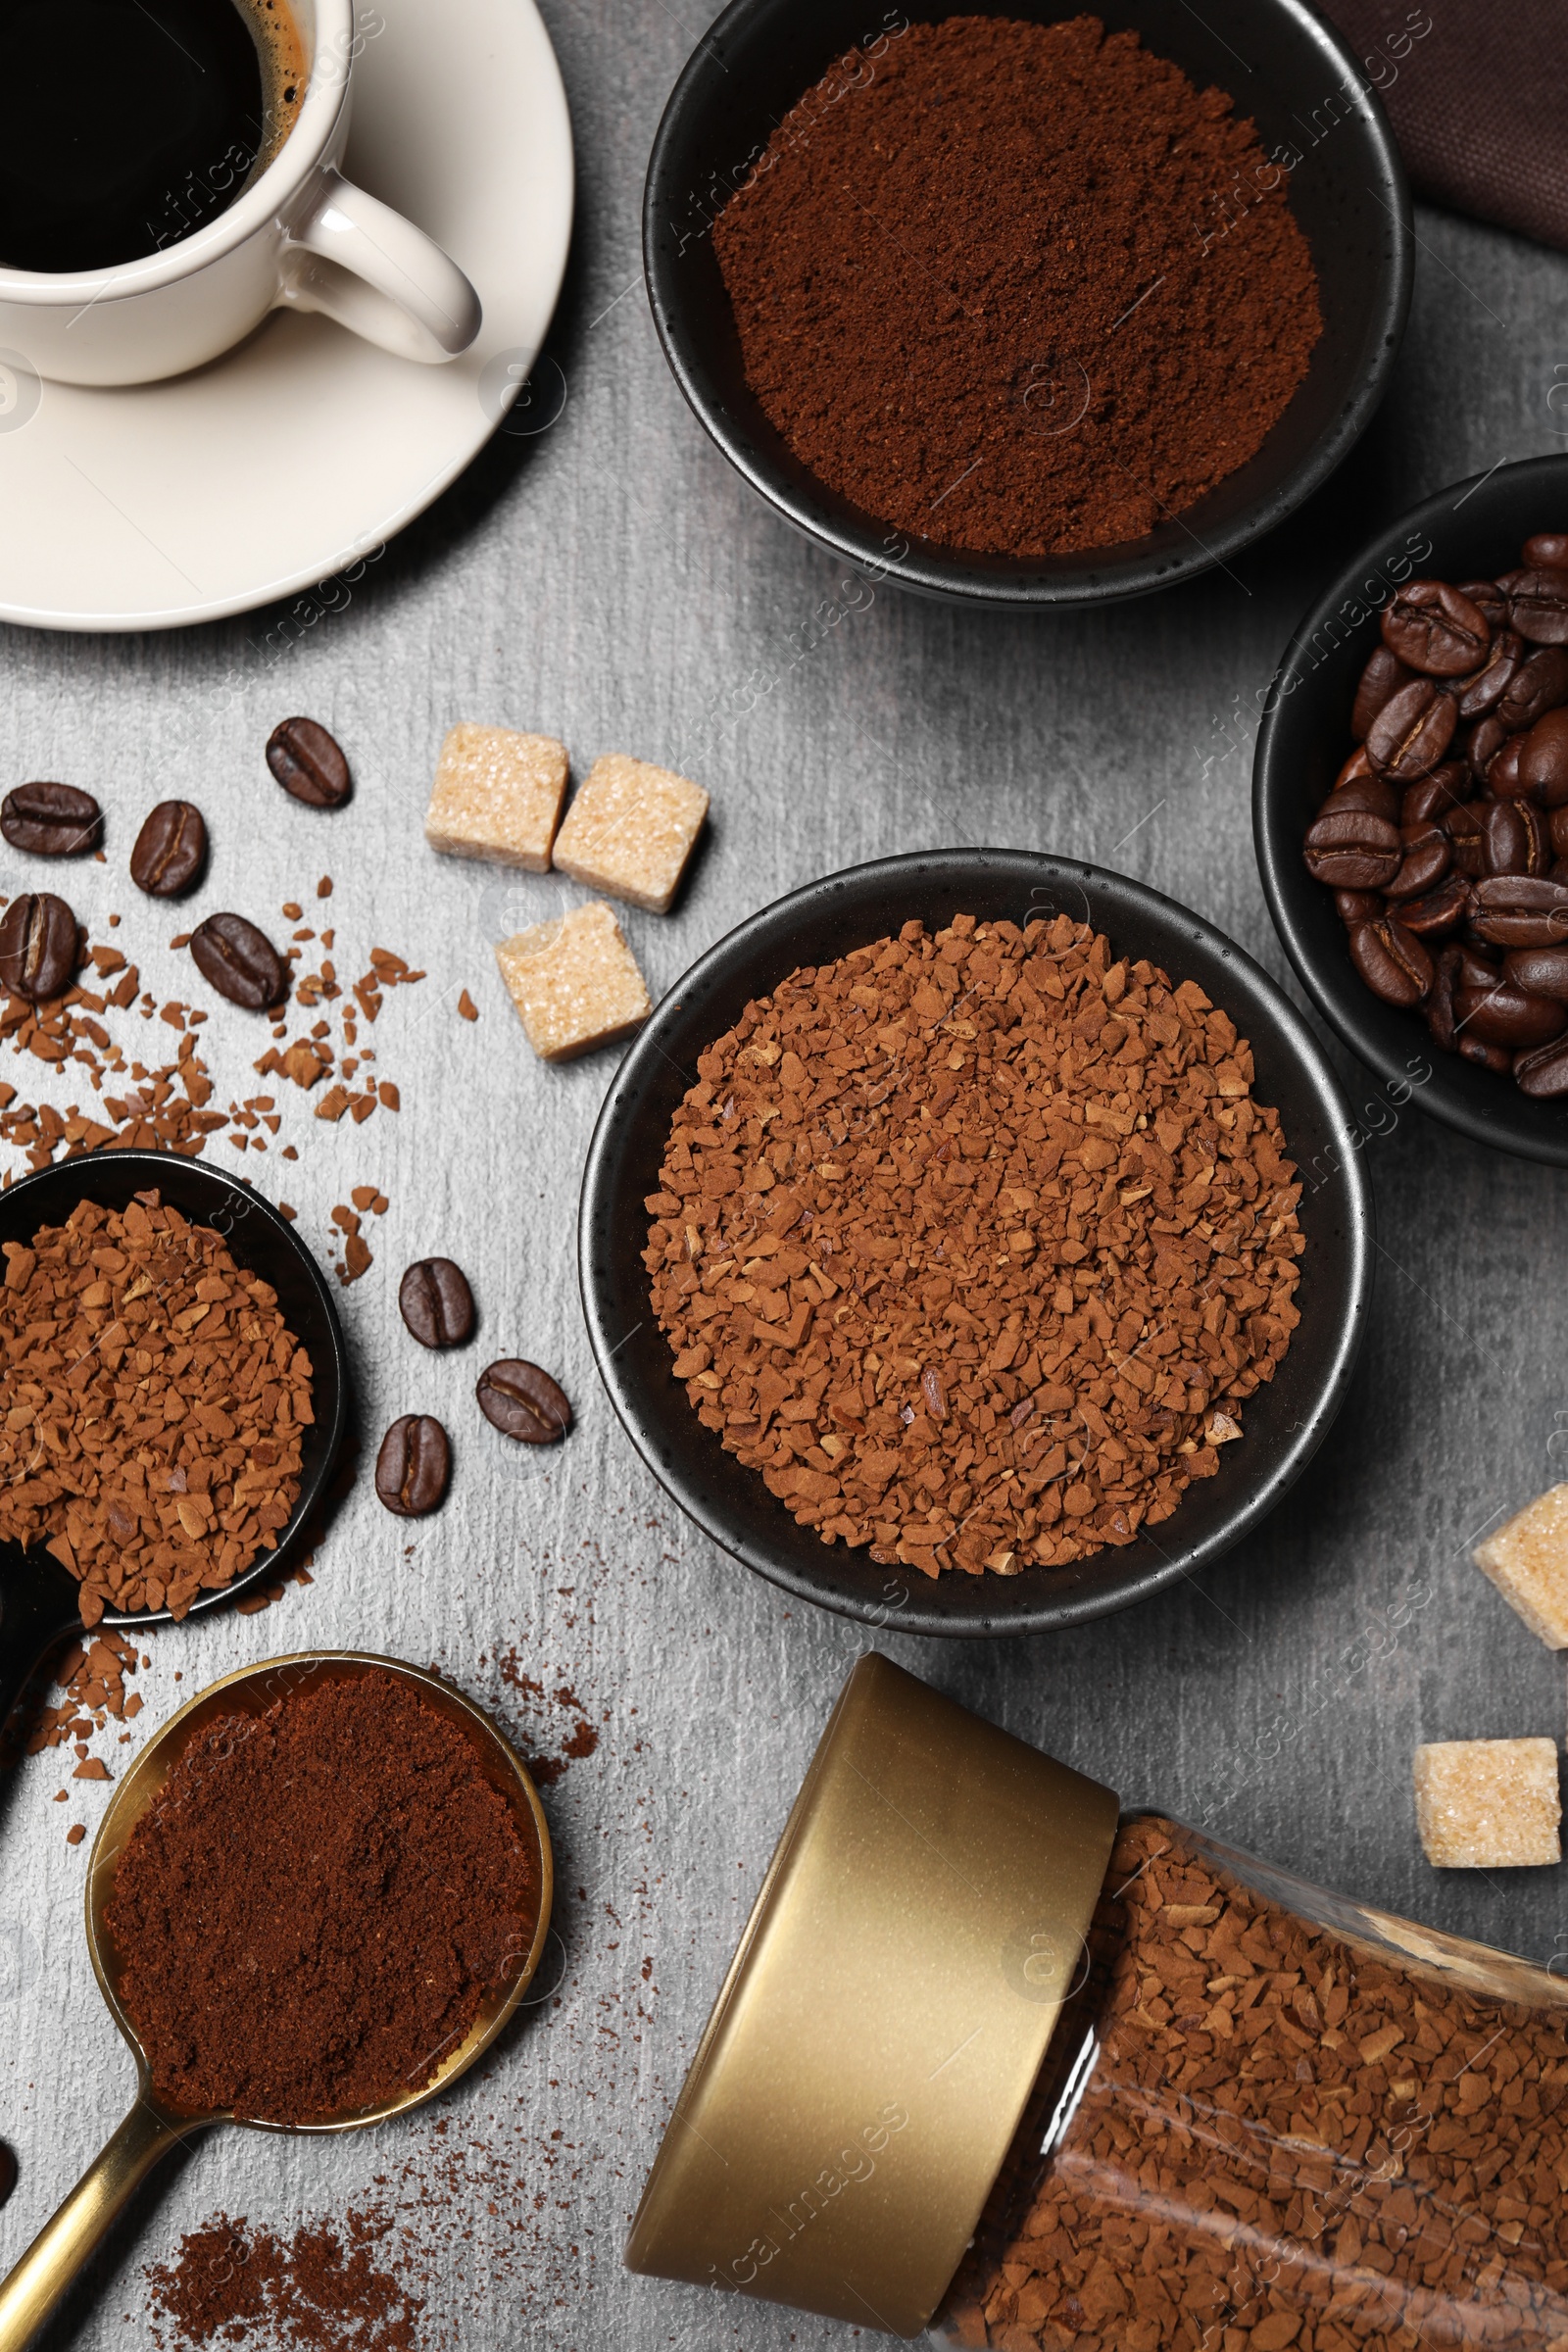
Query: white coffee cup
{"points": [[302, 235]]}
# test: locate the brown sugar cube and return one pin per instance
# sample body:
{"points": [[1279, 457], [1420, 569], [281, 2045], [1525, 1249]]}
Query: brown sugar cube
{"points": [[1488, 1804], [574, 982], [1527, 1560], [497, 797], [630, 831]]}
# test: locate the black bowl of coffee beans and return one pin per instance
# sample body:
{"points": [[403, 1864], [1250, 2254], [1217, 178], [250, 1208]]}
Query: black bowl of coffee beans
{"points": [[1410, 806]]}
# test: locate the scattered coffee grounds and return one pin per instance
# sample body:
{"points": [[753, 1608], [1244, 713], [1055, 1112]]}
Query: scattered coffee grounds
{"points": [[973, 1245], [318, 2291], [581, 1737], [312, 1910], [1018, 287], [1284, 2140], [155, 1402], [1446, 837]]}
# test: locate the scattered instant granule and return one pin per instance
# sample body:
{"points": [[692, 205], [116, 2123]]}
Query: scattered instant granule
{"points": [[358, 1885], [973, 1245], [1018, 287], [1527, 1560], [155, 1401], [1488, 1804], [318, 2291], [1285, 2139]]}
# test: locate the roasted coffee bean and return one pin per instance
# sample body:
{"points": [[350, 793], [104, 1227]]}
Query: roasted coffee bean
{"points": [[524, 1402], [1541, 1071], [1391, 960], [1352, 851], [51, 820], [1354, 907], [436, 1303], [1503, 771], [1479, 745], [1427, 852], [1557, 823], [1430, 798], [1543, 971], [1538, 824], [1505, 841], [309, 764], [171, 850], [1382, 678], [1505, 1016], [1490, 1057], [37, 946], [1371, 793], [1546, 551], [1543, 760], [240, 961], [1537, 685], [1537, 605], [1435, 628], [1441, 911], [1357, 766], [412, 1466], [1486, 686], [1476, 968], [1489, 601], [1463, 825], [1438, 1007], [1520, 910], [1412, 732]]}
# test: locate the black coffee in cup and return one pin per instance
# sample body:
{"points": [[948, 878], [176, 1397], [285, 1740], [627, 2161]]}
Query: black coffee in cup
{"points": [[127, 125]]}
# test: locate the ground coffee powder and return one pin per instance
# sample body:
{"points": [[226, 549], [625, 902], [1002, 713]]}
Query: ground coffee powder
{"points": [[1017, 287], [310, 1911], [1286, 2139], [973, 1245]]}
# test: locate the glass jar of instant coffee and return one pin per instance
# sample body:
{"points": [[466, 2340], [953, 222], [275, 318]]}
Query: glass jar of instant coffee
{"points": [[994, 2063]]}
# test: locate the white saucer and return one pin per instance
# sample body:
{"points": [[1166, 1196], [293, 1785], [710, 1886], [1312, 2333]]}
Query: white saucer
{"points": [[304, 449]]}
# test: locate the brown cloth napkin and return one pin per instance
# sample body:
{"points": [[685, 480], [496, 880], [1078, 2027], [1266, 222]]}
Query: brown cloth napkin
{"points": [[1476, 91]]}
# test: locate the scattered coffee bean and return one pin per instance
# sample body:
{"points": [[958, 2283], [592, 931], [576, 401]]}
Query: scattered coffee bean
{"points": [[1435, 628], [1352, 850], [413, 1466], [37, 946], [309, 764], [524, 1402], [1542, 1071], [51, 820], [171, 850], [240, 961], [436, 1303], [1382, 678], [1391, 960]]}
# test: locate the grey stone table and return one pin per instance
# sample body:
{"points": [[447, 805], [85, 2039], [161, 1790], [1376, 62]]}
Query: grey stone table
{"points": [[611, 582]]}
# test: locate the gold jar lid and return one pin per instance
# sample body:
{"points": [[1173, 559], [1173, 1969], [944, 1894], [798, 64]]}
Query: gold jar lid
{"points": [[881, 2026]]}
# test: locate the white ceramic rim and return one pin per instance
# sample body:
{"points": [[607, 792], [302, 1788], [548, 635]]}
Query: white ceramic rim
{"points": [[278, 186]]}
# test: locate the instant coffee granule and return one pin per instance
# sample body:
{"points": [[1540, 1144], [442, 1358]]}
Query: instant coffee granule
{"points": [[1286, 2139], [974, 1245], [1016, 288], [312, 1910], [155, 1401]]}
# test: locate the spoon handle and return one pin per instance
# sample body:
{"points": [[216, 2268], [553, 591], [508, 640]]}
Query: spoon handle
{"points": [[42, 2279]]}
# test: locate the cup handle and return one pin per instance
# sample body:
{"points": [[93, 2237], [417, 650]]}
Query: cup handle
{"points": [[359, 261], [41, 2280]]}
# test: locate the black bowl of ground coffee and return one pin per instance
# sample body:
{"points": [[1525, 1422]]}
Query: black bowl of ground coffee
{"points": [[1470, 531], [1286, 1416], [974, 435]]}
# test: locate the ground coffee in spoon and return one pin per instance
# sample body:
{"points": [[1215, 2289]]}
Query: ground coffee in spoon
{"points": [[1020, 288]]}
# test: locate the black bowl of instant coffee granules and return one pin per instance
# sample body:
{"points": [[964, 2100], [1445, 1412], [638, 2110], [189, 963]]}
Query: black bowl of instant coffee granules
{"points": [[1472, 534], [1034, 308], [210, 1456], [974, 1241]]}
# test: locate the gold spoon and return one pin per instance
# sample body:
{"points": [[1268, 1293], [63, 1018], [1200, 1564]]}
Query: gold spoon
{"points": [[40, 2279]]}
